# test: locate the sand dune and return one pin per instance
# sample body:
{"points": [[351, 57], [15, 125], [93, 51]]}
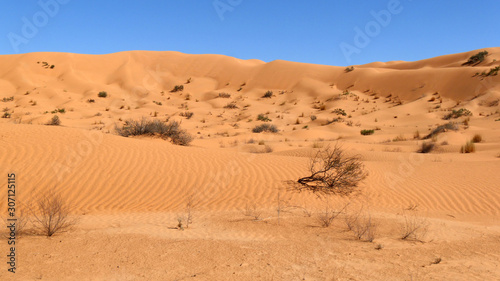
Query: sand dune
{"points": [[133, 189]]}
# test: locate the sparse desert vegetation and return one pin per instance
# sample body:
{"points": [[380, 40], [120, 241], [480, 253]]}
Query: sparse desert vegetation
{"points": [[144, 126], [54, 121], [268, 94], [308, 183], [334, 172], [468, 147], [366, 132], [477, 58], [457, 113], [265, 128], [51, 214], [177, 88]]}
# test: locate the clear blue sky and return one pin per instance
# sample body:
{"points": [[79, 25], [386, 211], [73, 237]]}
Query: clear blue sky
{"points": [[321, 32]]}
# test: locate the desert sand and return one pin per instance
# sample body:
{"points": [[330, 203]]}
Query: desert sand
{"points": [[127, 192]]}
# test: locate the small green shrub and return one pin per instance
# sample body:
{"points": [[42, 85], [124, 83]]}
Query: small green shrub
{"points": [[58, 110], [6, 115], [457, 113], [349, 69], [493, 72], [477, 58], [339, 111], [265, 128], [367, 132], [177, 88], [102, 94], [8, 99]]}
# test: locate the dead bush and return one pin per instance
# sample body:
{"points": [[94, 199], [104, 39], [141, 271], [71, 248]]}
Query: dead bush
{"points": [[51, 214], [329, 214], [333, 172], [185, 219], [364, 228], [414, 227], [54, 121], [144, 126], [251, 211]]}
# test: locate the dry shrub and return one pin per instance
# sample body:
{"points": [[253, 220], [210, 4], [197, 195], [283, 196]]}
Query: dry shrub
{"points": [[224, 95], [442, 128], [231, 105], [144, 126], [51, 215], [333, 172], [477, 138], [265, 128], [469, 147], [268, 94], [251, 211], [414, 227], [361, 224], [364, 228], [55, 121], [187, 114], [265, 149], [329, 214], [427, 147], [184, 220]]}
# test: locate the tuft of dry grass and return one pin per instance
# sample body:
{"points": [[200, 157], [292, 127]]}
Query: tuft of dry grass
{"points": [[251, 211], [364, 228], [328, 215], [184, 220], [231, 105], [469, 147], [414, 227]]}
